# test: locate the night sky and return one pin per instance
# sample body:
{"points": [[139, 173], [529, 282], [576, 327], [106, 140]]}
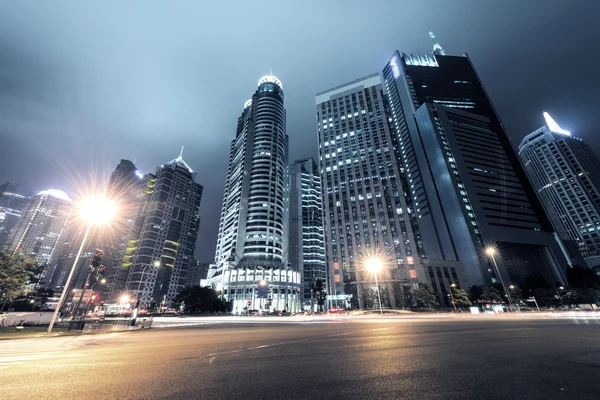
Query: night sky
{"points": [[84, 84]]}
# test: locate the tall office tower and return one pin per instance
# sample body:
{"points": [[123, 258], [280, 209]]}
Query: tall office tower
{"points": [[566, 174], [369, 213], [13, 199], [469, 189], [306, 241], [163, 236], [251, 253], [41, 225], [126, 189]]}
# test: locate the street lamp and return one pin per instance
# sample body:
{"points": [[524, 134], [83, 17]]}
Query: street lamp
{"points": [[491, 251], [155, 264], [452, 297], [95, 210], [375, 265]]}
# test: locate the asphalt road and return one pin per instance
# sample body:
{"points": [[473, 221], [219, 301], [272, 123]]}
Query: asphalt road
{"points": [[482, 358]]}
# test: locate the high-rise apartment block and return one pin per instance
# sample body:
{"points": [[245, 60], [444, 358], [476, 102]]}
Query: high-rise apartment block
{"points": [[306, 240], [41, 225], [162, 238], [566, 175], [469, 189], [369, 211], [251, 261]]}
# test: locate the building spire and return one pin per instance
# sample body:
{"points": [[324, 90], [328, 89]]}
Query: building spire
{"points": [[438, 50], [181, 152]]}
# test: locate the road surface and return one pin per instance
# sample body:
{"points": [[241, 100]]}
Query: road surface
{"points": [[443, 358]]}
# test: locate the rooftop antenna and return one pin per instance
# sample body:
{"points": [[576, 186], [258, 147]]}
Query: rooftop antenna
{"points": [[181, 152], [438, 50]]}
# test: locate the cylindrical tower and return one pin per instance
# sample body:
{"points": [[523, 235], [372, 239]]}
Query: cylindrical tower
{"points": [[264, 220]]}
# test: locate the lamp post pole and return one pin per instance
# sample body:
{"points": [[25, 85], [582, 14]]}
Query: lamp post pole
{"points": [[510, 303], [66, 288], [378, 294]]}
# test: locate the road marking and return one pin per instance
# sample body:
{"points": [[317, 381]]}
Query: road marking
{"points": [[76, 365], [211, 360]]}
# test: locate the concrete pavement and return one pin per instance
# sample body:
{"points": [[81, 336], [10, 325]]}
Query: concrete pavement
{"points": [[442, 358]]}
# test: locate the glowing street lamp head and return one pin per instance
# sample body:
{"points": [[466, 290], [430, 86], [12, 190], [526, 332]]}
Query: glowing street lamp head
{"points": [[97, 209], [103, 281], [374, 264], [124, 299], [157, 264]]}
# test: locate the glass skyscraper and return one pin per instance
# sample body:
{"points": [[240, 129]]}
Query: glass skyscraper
{"points": [[13, 199], [251, 261], [368, 211], [469, 189], [306, 241], [566, 174], [41, 225]]}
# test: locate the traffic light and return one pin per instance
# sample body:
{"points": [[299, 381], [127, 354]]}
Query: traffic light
{"points": [[96, 260], [100, 276]]}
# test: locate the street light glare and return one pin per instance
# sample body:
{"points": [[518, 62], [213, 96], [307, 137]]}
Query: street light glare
{"points": [[124, 299], [157, 264], [490, 251], [374, 264], [97, 209]]}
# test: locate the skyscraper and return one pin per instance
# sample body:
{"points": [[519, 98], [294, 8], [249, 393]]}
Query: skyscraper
{"points": [[566, 175], [468, 185], [41, 225], [13, 199], [368, 211], [163, 235], [126, 189], [306, 241], [251, 254]]}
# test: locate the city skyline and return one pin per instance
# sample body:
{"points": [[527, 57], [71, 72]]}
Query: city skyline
{"points": [[150, 141]]}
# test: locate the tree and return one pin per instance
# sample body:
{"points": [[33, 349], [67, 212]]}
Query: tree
{"points": [[425, 295], [350, 288], [461, 299], [476, 292], [17, 276], [407, 295], [545, 297], [491, 295], [588, 296], [580, 277], [320, 294], [195, 299]]}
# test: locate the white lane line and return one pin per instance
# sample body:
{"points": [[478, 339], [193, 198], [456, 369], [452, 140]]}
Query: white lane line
{"points": [[76, 365]]}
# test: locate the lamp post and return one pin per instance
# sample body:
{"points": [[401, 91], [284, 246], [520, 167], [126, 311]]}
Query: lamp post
{"points": [[491, 251], [374, 265], [95, 210], [156, 264], [452, 297], [558, 289]]}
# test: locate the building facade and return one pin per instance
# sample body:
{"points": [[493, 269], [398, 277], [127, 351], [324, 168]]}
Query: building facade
{"points": [[368, 210], [306, 240], [469, 188], [41, 225], [13, 199], [163, 235], [566, 175], [252, 240], [197, 273]]}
